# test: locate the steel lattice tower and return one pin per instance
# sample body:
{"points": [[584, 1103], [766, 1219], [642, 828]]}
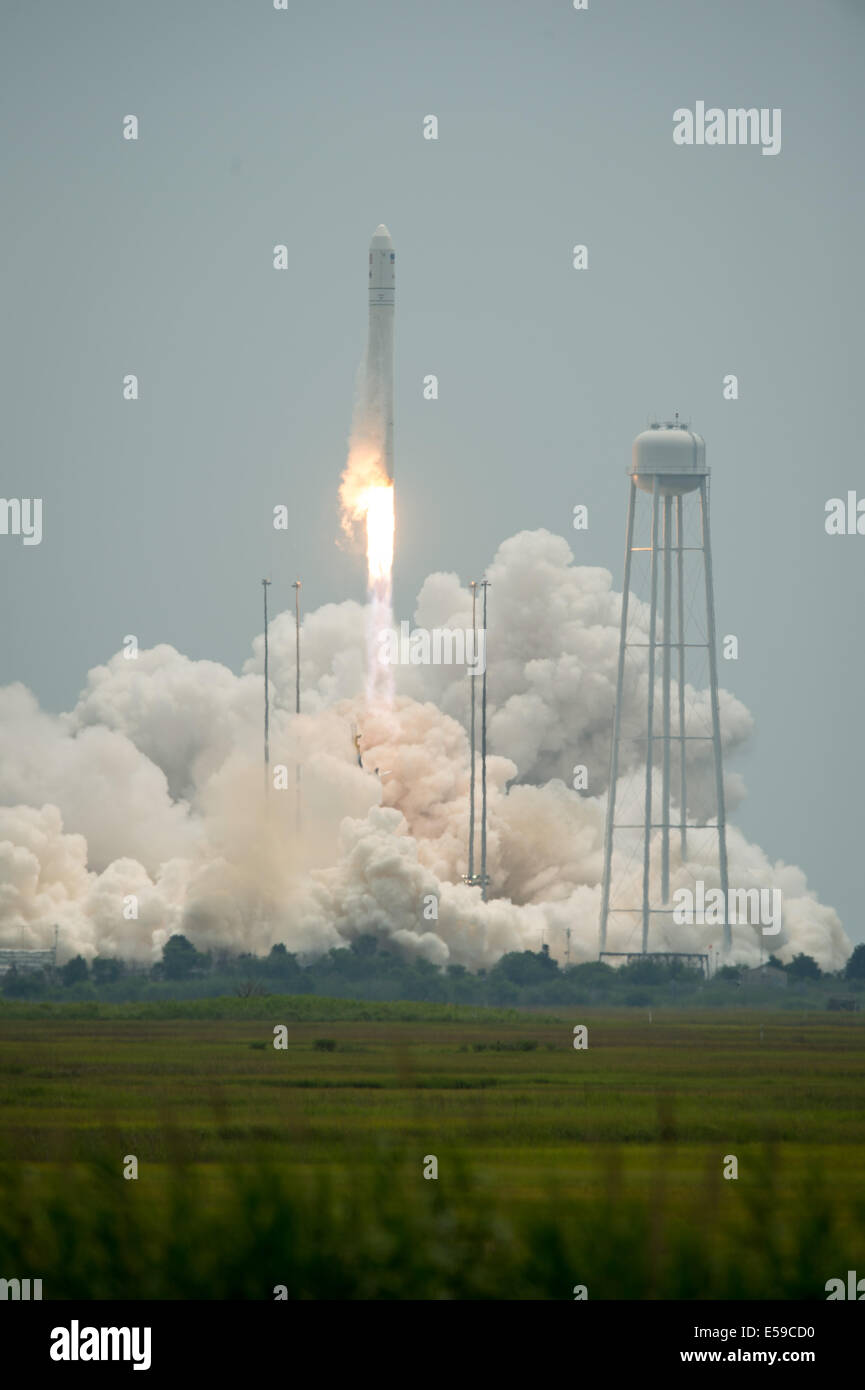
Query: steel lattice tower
{"points": [[669, 469]]}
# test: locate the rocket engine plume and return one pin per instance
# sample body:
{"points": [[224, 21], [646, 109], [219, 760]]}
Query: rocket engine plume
{"points": [[366, 491]]}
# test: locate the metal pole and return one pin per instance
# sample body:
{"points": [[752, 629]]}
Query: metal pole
{"points": [[485, 584], [650, 721], [265, 584], [716, 712], [680, 563], [471, 874], [297, 587], [665, 782], [617, 720]]}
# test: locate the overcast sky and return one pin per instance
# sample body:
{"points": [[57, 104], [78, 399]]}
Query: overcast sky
{"points": [[304, 127]]}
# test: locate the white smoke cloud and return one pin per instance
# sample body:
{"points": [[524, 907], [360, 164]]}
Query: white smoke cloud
{"points": [[152, 787]]}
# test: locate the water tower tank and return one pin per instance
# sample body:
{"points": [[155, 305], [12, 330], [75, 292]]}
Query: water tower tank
{"points": [[673, 454]]}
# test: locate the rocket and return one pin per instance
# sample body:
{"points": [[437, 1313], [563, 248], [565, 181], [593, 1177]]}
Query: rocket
{"points": [[379, 359]]}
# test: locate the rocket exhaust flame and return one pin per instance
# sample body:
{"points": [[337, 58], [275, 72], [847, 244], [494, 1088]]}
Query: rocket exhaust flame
{"points": [[366, 496], [379, 535], [366, 491]]}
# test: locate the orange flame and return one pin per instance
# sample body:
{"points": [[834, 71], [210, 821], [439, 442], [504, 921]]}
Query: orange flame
{"points": [[379, 533], [366, 495]]}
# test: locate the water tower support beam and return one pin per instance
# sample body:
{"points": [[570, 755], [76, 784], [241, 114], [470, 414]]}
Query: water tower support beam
{"points": [[650, 723], [680, 566], [617, 720], [716, 712], [668, 645]]}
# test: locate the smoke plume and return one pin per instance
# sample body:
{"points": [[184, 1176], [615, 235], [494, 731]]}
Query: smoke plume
{"points": [[141, 812]]}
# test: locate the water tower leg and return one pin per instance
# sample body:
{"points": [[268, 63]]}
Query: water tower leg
{"points": [[668, 641], [617, 719], [716, 713], [650, 721], [680, 565]]}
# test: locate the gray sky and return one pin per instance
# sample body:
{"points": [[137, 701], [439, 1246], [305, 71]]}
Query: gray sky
{"points": [[555, 127]]}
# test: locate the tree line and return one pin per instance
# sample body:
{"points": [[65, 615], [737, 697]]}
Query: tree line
{"points": [[368, 969]]}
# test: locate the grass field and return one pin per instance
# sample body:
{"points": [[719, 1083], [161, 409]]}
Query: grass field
{"points": [[303, 1166]]}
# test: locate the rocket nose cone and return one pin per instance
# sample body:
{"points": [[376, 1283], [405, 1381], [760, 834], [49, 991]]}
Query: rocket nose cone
{"points": [[381, 236]]}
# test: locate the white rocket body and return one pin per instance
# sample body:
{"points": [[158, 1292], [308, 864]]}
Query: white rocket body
{"points": [[379, 364]]}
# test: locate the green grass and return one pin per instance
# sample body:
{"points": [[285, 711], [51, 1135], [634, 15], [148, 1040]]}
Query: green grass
{"points": [[281, 1008], [261, 1166]]}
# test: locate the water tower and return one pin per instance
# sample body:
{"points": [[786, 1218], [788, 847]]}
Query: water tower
{"points": [[668, 507]]}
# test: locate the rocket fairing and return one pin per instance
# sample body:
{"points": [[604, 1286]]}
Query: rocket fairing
{"points": [[379, 365]]}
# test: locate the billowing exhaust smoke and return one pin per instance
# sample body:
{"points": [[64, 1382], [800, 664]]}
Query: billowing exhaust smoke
{"points": [[140, 813]]}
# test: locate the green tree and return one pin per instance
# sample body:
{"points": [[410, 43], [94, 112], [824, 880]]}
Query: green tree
{"points": [[644, 972], [591, 972], [732, 973], [804, 967], [106, 969], [523, 968], [180, 958], [855, 967], [24, 984], [75, 971], [281, 964], [502, 991]]}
